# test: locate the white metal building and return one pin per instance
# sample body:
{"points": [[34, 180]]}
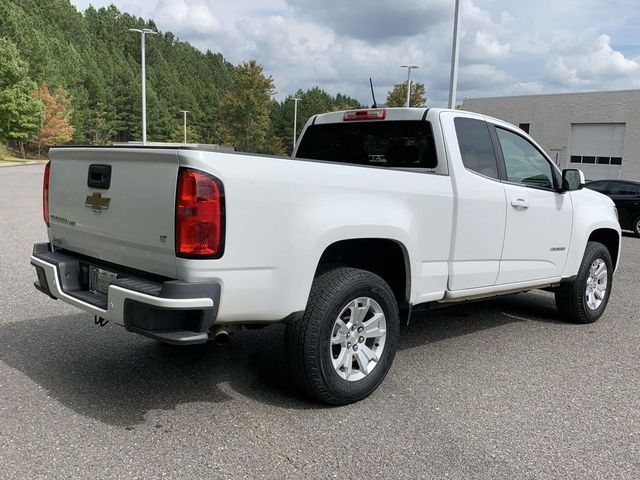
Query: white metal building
{"points": [[598, 132]]}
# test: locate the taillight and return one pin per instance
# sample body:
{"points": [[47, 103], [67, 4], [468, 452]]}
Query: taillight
{"points": [[376, 114], [45, 193], [199, 215]]}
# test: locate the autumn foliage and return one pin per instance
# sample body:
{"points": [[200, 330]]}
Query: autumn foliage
{"points": [[56, 119]]}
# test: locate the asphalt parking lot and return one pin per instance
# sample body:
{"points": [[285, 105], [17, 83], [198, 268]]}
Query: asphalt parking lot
{"points": [[499, 389]]}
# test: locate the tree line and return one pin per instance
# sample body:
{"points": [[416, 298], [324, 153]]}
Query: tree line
{"points": [[67, 76]]}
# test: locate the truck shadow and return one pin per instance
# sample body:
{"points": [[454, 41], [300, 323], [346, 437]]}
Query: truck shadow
{"points": [[116, 377]]}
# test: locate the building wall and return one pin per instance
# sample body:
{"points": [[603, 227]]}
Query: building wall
{"points": [[551, 117]]}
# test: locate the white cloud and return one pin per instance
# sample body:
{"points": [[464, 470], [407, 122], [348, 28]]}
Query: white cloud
{"points": [[474, 75], [506, 47], [485, 46], [597, 65], [192, 17]]}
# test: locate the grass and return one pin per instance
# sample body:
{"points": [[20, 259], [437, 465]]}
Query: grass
{"points": [[6, 156]]}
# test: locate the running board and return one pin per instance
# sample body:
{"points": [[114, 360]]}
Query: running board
{"points": [[459, 296]]}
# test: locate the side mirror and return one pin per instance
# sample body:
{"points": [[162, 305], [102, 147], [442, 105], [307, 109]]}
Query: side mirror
{"points": [[572, 179]]}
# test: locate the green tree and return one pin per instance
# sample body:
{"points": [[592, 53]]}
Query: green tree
{"points": [[312, 102], [244, 120], [397, 97], [20, 113], [177, 132], [96, 60]]}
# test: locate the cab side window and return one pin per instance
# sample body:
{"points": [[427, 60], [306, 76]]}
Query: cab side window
{"points": [[476, 147], [524, 163]]}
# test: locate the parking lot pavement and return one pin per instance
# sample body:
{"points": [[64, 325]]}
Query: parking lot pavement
{"points": [[499, 389]]}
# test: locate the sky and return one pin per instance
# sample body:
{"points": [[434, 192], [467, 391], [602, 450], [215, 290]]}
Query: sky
{"points": [[507, 47]]}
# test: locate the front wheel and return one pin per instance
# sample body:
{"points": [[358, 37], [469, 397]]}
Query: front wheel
{"points": [[343, 347], [636, 227], [585, 298]]}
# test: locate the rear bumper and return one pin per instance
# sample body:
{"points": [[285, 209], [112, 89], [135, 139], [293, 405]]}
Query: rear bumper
{"points": [[169, 311]]}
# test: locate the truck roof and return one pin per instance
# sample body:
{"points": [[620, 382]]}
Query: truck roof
{"points": [[391, 113]]}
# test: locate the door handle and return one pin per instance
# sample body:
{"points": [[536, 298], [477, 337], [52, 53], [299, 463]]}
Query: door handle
{"points": [[99, 176], [520, 203]]}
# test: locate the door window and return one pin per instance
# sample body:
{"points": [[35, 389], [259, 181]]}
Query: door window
{"points": [[524, 163], [476, 147], [625, 190]]}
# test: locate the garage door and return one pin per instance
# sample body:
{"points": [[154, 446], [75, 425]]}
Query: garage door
{"points": [[596, 148]]}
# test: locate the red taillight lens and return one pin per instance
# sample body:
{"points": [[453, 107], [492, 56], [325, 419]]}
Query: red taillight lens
{"points": [[45, 193], [199, 215], [376, 114]]}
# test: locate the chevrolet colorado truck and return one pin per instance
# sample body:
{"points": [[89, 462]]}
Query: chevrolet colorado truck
{"points": [[377, 212]]}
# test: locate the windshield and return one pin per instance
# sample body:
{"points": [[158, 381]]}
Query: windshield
{"points": [[393, 144]]}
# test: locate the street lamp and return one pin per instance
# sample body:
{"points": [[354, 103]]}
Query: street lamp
{"points": [[184, 123], [455, 53], [143, 33], [409, 68], [295, 120]]}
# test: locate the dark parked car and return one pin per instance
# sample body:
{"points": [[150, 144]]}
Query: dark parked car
{"points": [[626, 195]]}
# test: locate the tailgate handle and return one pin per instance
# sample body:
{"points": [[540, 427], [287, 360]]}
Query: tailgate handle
{"points": [[99, 176]]}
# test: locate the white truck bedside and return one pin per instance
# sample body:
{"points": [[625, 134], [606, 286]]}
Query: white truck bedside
{"points": [[377, 212]]}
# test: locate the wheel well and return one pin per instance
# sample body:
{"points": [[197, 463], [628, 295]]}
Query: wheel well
{"points": [[386, 258], [610, 239]]}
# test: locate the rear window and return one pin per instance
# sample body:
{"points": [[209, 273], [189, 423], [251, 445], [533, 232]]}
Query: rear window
{"points": [[393, 144]]}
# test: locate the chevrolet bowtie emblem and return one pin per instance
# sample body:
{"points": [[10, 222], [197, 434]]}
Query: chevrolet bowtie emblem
{"points": [[97, 202]]}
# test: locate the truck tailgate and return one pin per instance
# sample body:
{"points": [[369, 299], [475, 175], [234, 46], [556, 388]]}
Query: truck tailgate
{"points": [[128, 220]]}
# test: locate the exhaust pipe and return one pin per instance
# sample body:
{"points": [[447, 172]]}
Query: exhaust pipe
{"points": [[220, 333], [221, 337]]}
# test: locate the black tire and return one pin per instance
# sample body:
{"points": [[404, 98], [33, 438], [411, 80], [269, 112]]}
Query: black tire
{"points": [[571, 299], [636, 227], [308, 341]]}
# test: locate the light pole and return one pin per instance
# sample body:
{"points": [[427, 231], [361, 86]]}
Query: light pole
{"points": [[184, 123], [455, 53], [143, 33], [295, 120], [409, 68]]}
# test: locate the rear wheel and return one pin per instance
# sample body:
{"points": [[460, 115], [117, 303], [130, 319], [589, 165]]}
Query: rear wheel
{"points": [[585, 298], [343, 347]]}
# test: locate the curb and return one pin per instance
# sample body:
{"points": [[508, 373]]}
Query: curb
{"points": [[19, 164]]}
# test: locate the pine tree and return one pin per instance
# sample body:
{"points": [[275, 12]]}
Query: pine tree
{"points": [[312, 102], [96, 60], [20, 113]]}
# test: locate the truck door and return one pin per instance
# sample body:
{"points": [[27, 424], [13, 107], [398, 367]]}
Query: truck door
{"points": [[479, 212], [627, 199], [539, 219]]}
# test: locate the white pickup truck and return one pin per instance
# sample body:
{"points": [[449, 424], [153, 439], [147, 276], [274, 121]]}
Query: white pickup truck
{"points": [[378, 212]]}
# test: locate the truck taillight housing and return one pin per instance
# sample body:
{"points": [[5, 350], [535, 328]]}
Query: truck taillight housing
{"points": [[45, 193], [370, 114], [199, 215]]}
